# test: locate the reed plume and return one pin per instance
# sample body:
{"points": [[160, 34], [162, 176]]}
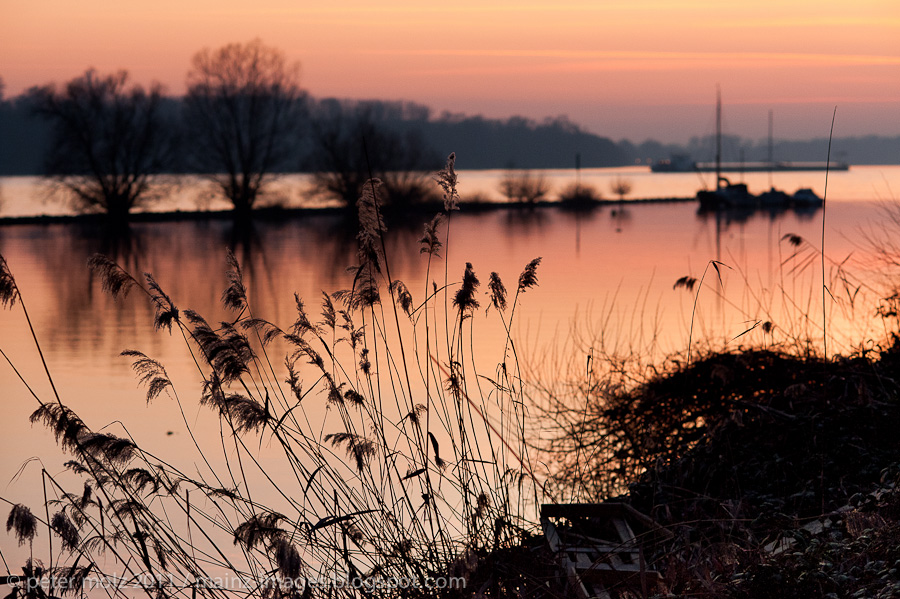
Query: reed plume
{"points": [[22, 522], [166, 312], [498, 292], [447, 179], [151, 373], [528, 278], [465, 298], [114, 279], [430, 242], [357, 447], [65, 425], [8, 290], [67, 531], [235, 294]]}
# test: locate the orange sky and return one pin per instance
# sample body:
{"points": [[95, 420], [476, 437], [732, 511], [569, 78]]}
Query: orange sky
{"points": [[625, 69]]}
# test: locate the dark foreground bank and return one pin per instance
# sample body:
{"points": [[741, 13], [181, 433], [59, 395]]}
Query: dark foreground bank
{"points": [[775, 473]]}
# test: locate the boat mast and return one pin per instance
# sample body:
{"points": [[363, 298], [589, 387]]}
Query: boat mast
{"points": [[771, 150], [718, 137]]}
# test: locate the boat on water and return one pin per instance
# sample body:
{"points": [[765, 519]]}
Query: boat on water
{"points": [[728, 195]]}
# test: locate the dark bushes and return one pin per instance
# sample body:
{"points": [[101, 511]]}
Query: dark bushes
{"points": [[737, 453]]}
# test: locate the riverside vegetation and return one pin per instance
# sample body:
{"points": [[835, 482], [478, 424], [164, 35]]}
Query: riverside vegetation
{"points": [[419, 474], [775, 468]]}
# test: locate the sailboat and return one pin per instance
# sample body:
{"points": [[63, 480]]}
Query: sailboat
{"points": [[728, 195]]}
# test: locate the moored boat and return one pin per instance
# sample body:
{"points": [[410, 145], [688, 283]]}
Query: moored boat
{"points": [[736, 196], [728, 195]]}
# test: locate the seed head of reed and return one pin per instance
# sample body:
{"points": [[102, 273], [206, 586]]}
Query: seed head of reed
{"points": [[447, 179], [22, 522], [465, 297], [430, 242], [8, 289], [498, 292], [115, 280], [63, 526], [235, 295], [528, 278], [151, 373]]}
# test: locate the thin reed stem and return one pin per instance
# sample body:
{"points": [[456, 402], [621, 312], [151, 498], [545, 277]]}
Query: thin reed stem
{"points": [[822, 249]]}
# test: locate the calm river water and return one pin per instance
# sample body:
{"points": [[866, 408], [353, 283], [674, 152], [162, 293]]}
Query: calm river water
{"points": [[606, 282]]}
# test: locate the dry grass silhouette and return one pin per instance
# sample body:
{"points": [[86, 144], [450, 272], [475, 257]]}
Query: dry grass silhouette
{"points": [[419, 474]]}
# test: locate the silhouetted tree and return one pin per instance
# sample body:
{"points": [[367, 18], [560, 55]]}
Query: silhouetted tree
{"points": [[107, 140], [243, 110], [621, 187], [522, 186], [350, 145]]}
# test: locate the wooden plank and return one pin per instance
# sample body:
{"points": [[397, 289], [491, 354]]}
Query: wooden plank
{"points": [[551, 534], [606, 510], [600, 544], [614, 560], [606, 567], [586, 591], [575, 582], [625, 532], [583, 561], [590, 563]]}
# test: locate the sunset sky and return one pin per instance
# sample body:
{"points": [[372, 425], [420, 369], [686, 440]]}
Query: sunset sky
{"points": [[636, 69]]}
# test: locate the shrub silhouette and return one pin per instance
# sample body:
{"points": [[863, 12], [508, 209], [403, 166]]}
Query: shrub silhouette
{"points": [[621, 187], [579, 196], [522, 186]]}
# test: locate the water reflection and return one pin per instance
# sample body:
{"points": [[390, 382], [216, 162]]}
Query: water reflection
{"points": [[608, 288], [726, 216], [580, 216], [311, 254], [620, 216], [587, 268], [124, 244], [527, 220]]}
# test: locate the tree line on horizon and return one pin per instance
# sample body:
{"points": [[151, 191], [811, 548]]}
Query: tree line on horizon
{"points": [[245, 117]]}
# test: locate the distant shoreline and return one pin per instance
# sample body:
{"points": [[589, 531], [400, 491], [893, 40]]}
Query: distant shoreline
{"points": [[277, 212]]}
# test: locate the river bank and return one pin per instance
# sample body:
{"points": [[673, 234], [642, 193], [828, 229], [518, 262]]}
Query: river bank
{"points": [[278, 213], [776, 473]]}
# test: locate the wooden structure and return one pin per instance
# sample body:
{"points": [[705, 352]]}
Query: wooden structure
{"points": [[597, 548]]}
